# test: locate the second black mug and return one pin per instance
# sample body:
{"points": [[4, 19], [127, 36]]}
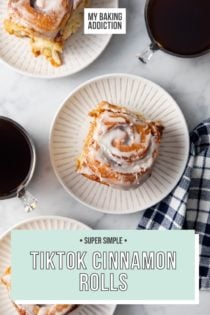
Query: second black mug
{"points": [[177, 27]]}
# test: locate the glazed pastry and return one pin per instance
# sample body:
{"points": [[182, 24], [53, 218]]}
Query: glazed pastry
{"points": [[121, 147], [48, 23], [53, 309]]}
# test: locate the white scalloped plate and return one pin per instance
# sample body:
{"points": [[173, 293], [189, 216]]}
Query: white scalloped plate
{"points": [[70, 127], [79, 52], [43, 223]]}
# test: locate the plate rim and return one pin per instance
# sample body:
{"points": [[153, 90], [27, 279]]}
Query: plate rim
{"points": [[81, 86], [57, 76], [40, 218]]}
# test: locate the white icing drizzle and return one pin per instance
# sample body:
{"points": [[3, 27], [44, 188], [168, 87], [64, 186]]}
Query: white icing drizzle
{"points": [[127, 144], [47, 5], [76, 3], [56, 10], [123, 132]]}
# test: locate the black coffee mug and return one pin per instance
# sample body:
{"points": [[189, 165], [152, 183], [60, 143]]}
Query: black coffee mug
{"points": [[17, 162], [177, 27]]}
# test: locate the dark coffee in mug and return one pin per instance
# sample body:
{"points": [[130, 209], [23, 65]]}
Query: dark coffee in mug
{"points": [[16, 154], [181, 27]]}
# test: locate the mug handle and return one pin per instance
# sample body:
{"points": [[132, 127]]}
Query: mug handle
{"points": [[29, 201], [147, 53]]}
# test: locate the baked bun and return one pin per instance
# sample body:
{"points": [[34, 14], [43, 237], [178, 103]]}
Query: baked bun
{"points": [[53, 309], [44, 17], [47, 22], [121, 147]]}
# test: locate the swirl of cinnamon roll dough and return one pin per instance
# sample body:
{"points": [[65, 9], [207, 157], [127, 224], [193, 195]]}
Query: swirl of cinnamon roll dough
{"points": [[121, 147], [43, 16]]}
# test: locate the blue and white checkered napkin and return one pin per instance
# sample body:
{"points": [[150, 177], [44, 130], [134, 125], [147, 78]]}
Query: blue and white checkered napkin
{"points": [[188, 205]]}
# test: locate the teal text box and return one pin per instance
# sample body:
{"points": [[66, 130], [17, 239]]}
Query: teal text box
{"points": [[156, 280]]}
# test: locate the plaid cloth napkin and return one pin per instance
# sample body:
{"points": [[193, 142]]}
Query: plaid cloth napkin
{"points": [[188, 205]]}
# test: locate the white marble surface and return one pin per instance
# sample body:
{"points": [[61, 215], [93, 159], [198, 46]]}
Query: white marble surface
{"points": [[33, 103]]}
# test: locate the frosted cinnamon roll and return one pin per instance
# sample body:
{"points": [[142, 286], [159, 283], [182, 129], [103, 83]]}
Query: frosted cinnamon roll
{"points": [[121, 147], [48, 23], [53, 309]]}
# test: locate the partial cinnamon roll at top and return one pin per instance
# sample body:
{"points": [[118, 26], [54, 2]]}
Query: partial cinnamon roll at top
{"points": [[47, 22], [121, 147], [42, 16]]}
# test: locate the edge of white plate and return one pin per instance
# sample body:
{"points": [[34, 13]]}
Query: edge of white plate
{"points": [[40, 218], [87, 83], [57, 76]]}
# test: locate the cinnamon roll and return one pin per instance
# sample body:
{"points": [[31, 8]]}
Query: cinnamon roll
{"points": [[121, 147], [48, 23], [53, 309]]}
